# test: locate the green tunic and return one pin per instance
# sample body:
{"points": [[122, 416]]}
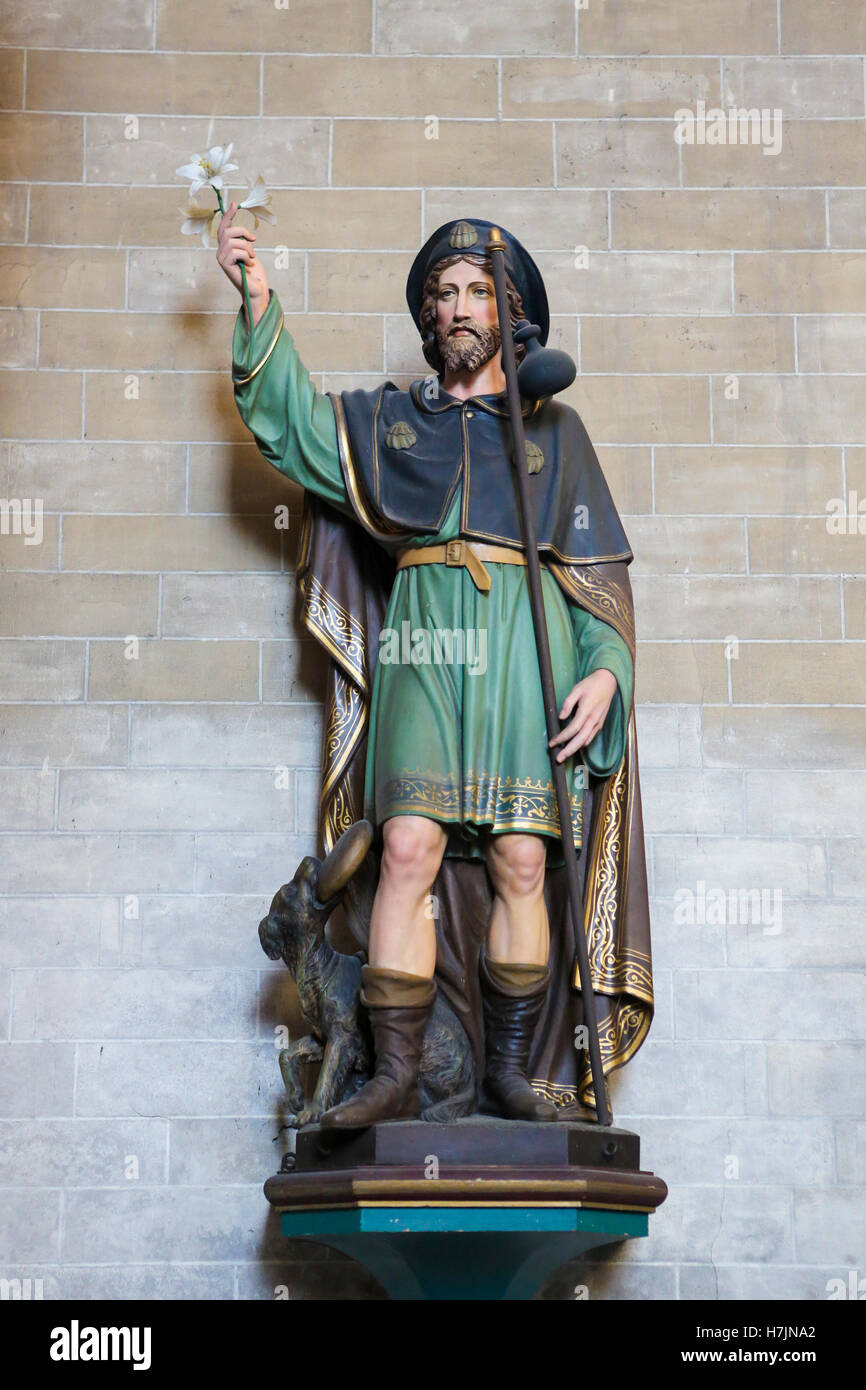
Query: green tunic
{"points": [[457, 727]]}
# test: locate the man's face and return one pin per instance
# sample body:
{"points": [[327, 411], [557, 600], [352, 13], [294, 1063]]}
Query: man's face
{"points": [[467, 325]]}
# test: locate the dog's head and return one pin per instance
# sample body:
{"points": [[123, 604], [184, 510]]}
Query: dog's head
{"points": [[292, 912]]}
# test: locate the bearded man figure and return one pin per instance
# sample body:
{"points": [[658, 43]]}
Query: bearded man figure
{"points": [[413, 578]]}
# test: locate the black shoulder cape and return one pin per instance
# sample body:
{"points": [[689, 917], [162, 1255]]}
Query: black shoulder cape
{"points": [[407, 449]]}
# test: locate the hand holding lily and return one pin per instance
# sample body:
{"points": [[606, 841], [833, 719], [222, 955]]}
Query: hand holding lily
{"points": [[207, 171], [237, 256]]}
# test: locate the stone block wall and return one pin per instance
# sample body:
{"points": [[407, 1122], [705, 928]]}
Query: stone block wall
{"points": [[155, 680]]}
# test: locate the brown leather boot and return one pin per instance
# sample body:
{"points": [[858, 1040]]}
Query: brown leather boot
{"points": [[399, 1007], [513, 999]]}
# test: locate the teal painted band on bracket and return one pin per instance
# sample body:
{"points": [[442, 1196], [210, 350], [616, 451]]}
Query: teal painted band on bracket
{"points": [[625, 1225]]}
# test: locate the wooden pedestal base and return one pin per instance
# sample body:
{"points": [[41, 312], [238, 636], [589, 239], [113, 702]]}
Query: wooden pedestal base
{"points": [[478, 1209]]}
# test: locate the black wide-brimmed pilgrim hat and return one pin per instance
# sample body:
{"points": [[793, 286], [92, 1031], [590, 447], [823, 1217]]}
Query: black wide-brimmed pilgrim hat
{"points": [[471, 234]]}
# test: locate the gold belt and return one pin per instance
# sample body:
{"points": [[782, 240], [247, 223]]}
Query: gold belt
{"points": [[470, 554]]}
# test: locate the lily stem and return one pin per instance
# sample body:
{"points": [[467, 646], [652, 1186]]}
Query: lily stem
{"points": [[245, 286]]}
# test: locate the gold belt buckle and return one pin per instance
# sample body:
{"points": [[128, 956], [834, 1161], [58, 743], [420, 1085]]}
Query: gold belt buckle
{"points": [[454, 553]]}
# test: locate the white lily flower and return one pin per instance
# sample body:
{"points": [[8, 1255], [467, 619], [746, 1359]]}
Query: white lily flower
{"points": [[258, 202], [207, 169], [200, 222]]}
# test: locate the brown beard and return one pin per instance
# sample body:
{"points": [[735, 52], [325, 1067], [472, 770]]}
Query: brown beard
{"points": [[468, 354]]}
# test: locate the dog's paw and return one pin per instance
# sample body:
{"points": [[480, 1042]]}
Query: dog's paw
{"points": [[304, 1115], [295, 1101], [310, 1115], [291, 1081]]}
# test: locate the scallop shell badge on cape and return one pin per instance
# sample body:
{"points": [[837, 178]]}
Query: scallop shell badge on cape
{"points": [[400, 436], [534, 457]]}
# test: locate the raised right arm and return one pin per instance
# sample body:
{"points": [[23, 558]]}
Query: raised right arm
{"points": [[292, 424]]}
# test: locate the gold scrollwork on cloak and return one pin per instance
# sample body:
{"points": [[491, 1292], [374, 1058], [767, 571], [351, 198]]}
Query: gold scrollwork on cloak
{"points": [[345, 640], [624, 977], [337, 629], [341, 634], [560, 1096], [613, 970], [346, 724], [602, 892], [339, 814], [346, 712], [601, 596], [621, 1033]]}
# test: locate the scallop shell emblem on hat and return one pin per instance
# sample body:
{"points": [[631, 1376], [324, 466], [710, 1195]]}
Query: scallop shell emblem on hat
{"points": [[463, 234]]}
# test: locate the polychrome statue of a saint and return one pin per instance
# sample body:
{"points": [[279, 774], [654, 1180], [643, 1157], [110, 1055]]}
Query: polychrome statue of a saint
{"points": [[412, 576]]}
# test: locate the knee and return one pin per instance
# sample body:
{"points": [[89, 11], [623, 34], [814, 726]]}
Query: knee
{"points": [[412, 851], [517, 865]]}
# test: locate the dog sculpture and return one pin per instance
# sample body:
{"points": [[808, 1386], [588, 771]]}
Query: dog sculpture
{"points": [[329, 985]]}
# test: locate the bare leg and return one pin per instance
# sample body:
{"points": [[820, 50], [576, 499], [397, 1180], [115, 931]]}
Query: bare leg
{"points": [[397, 985], [402, 926], [515, 976], [518, 924]]}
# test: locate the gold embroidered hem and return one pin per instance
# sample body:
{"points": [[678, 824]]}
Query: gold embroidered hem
{"points": [[499, 803]]}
